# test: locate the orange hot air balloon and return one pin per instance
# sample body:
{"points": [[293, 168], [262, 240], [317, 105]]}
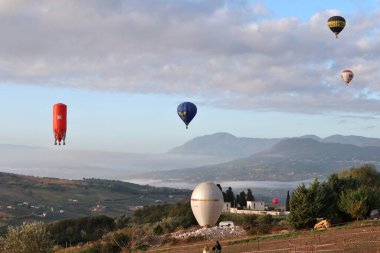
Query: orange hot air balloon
{"points": [[59, 123]]}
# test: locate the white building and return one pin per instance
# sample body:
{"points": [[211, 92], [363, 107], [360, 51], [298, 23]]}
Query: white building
{"points": [[256, 205], [257, 212], [226, 207]]}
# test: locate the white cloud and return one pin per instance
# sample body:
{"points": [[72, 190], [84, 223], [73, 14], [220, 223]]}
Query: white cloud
{"points": [[227, 55]]}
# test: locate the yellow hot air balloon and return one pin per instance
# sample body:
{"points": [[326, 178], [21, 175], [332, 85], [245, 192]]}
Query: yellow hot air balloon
{"points": [[336, 24]]}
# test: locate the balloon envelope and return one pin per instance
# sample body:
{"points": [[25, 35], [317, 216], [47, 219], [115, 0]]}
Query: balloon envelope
{"points": [[336, 24], [207, 203], [187, 111], [59, 123], [347, 76], [275, 201]]}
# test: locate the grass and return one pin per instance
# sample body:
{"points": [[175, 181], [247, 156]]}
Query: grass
{"points": [[265, 238]]}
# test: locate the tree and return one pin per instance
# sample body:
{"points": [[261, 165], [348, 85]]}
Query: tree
{"points": [[238, 200], [358, 202], [315, 202], [346, 195], [338, 185], [30, 237], [302, 214], [324, 201], [250, 196], [230, 197], [242, 199], [364, 175], [287, 205]]}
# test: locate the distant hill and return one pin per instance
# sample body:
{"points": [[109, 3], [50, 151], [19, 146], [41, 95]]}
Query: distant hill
{"points": [[311, 136], [25, 197], [289, 160], [224, 144], [302, 148], [354, 140]]}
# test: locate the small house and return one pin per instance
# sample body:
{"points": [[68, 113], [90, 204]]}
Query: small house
{"points": [[256, 205]]}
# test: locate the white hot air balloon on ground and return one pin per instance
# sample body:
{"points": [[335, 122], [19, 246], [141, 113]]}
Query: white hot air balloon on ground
{"points": [[207, 203]]}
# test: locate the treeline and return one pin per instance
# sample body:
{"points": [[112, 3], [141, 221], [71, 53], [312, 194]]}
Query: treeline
{"points": [[84, 229], [113, 185], [240, 200], [348, 195], [131, 188]]}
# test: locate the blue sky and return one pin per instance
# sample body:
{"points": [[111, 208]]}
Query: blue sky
{"points": [[273, 73]]}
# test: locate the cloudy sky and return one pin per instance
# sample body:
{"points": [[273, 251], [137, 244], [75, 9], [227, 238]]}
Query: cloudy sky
{"points": [[254, 69]]}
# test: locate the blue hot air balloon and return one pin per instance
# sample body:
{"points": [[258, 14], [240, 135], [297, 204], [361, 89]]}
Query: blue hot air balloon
{"points": [[187, 111]]}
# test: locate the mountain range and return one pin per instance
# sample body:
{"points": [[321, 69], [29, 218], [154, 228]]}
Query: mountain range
{"points": [[290, 159], [220, 156], [224, 144], [221, 144]]}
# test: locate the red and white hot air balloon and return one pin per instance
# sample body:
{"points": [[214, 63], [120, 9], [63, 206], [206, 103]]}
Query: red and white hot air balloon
{"points": [[347, 76], [275, 200], [59, 123]]}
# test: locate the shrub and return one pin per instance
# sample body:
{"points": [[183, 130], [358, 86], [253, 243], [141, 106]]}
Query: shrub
{"points": [[30, 237], [158, 230]]}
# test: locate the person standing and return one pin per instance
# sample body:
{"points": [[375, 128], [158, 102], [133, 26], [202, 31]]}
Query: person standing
{"points": [[217, 247]]}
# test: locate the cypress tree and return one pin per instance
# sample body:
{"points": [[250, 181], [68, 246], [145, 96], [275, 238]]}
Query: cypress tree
{"points": [[230, 197], [250, 196], [242, 199], [287, 208]]}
